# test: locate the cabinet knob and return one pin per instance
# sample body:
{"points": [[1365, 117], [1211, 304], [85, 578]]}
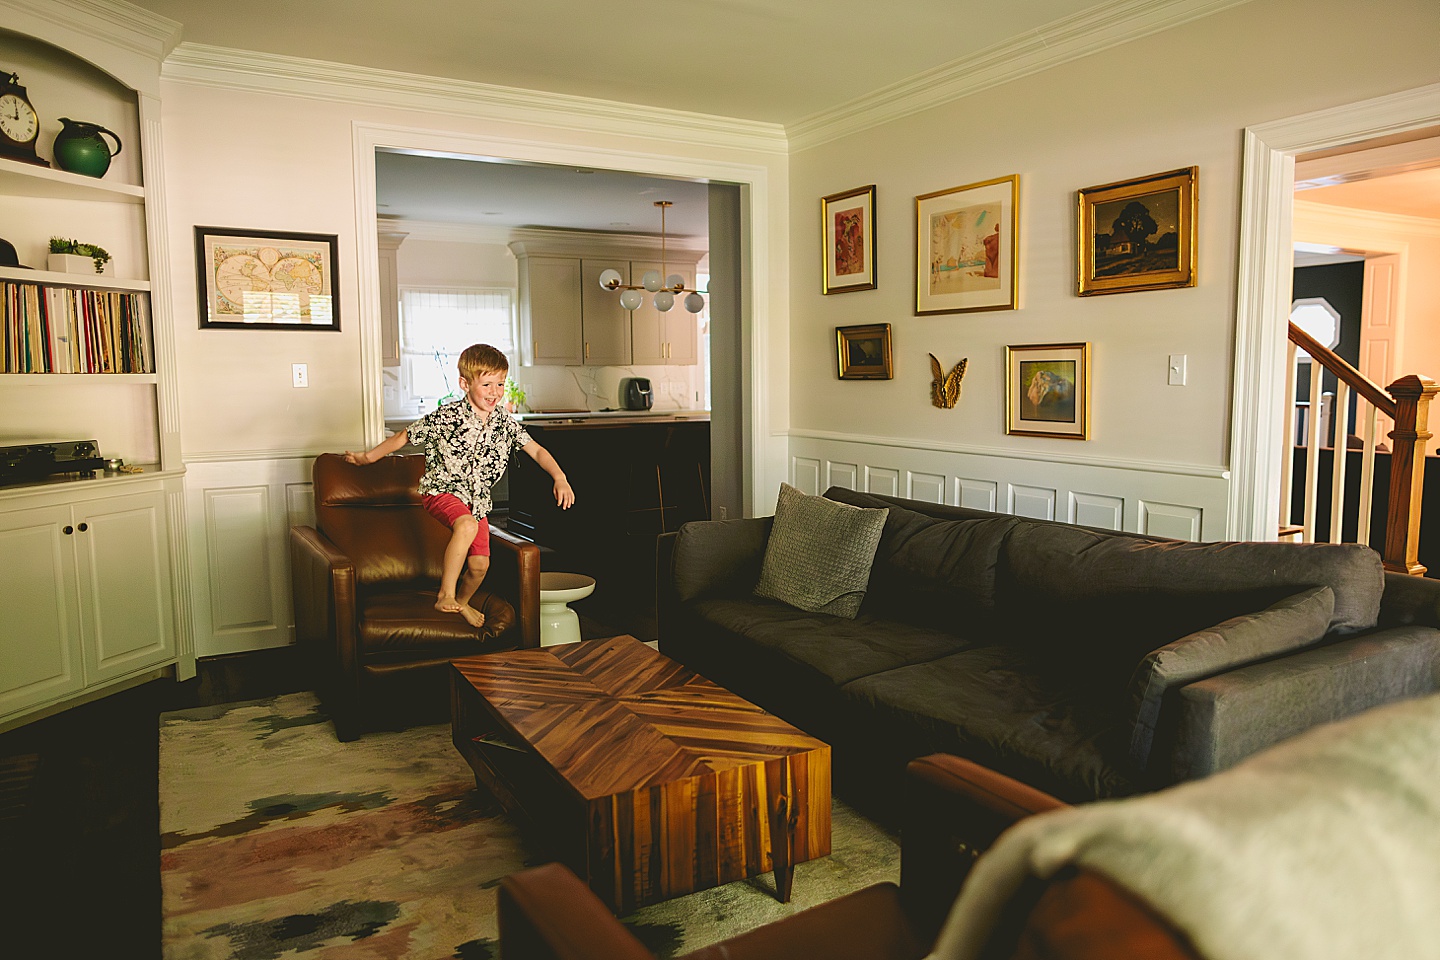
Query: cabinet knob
{"points": [[84, 527], [67, 529]]}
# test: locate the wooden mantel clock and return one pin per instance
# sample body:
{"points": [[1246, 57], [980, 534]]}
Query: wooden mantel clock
{"points": [[19, 124]]}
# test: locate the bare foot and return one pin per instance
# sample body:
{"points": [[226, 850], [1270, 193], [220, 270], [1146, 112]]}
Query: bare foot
{"points": [[448, 605], [472, 616]]}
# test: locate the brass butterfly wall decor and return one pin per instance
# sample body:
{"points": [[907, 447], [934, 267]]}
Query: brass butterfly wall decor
{"points": [[945, 389]]}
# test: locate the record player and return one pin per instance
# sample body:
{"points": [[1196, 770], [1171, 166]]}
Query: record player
{"points": [[33, 462]]}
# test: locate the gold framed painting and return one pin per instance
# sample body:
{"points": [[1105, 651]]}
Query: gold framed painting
{"points": [[1047, 390], [967, 248], [863, 352], [1138, 234], [847, 221]]}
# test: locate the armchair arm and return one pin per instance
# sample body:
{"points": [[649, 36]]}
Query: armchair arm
{"points": [[548, 913], [322, 581], [954, 810], [515, 572]]}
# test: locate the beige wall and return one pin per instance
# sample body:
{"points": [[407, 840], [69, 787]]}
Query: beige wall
{"points": [[1172, 100]]}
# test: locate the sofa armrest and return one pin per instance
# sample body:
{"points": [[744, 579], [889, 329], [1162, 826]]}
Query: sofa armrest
{"points": [[1225, 718], [322, 583], [1409, 600], [548, 913], [954, 810], [869, 924], [515, 573], [719, 557]]}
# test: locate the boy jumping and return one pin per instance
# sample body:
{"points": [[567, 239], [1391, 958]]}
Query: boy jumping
{"points": [[467, 446]]}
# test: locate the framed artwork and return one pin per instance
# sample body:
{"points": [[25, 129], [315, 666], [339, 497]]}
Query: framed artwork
{"points": [[848, 223], [1138, 234], [1047, 390], [266, 278], [864, 352], [966, 248]]}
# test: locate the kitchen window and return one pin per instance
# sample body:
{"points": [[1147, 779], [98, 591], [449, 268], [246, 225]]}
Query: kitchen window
{"points": [[436, 325]]}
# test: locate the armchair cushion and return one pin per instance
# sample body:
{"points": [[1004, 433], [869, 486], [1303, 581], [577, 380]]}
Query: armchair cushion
{"points": [[403, 625]]}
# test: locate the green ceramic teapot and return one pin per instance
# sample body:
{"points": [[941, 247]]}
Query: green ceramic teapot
{"points": [[79, 148]]}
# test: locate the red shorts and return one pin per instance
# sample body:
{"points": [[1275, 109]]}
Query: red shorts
{"points": [[447, 508]]}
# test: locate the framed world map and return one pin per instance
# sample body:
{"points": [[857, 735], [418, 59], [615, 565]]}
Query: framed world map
{"points": [[250, 278]]}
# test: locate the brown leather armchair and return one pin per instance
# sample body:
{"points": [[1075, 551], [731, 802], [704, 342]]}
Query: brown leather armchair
{"points": [[954, 809], [364, 581]]}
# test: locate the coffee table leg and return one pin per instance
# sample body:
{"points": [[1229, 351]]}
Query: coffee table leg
{"points": [[782, 845]]}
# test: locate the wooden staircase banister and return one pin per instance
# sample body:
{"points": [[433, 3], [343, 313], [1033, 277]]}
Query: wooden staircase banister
{"points": [[1407, 403], [1342, 369]]}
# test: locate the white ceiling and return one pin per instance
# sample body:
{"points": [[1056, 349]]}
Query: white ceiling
{"points": [[768, 60], [1412, 194]]}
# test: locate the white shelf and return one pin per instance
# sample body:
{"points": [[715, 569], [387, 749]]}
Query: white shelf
{"points": [[57, 379], [21, 179], [50, 278]]}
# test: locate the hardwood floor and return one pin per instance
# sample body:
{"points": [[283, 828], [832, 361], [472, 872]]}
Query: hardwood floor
{"points": [[79, 810]]}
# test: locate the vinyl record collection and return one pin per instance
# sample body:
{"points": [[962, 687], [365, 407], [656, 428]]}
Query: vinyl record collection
{"points": [[70, 330]]}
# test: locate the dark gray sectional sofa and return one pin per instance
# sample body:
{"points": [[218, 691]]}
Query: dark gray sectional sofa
{"points": [[1026, 645]]}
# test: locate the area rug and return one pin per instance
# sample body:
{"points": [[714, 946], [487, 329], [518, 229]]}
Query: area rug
{"points": [[278, 841]]}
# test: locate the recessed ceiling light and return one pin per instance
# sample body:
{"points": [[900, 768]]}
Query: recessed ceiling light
{"points": [[619, 223], [494, 213], [583, 170]]}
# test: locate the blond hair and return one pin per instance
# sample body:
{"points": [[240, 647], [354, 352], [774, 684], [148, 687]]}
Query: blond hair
{"points": [[481, 358]]}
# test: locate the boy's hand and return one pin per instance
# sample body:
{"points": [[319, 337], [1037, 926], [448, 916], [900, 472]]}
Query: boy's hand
{"points": [[360, 459], [564, 496]]}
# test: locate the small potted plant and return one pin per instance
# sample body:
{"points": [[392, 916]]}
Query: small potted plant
{"points": [[514, 397], [70, 256]]}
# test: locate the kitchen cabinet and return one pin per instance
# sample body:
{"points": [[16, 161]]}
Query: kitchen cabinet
{"points": [[550, 310], [604, 324], [88, 598], [669, 337]]}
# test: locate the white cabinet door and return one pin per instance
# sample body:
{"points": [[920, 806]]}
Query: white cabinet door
{"points": [[605, 322], [669, 337], [40, 657], [121, 545], [550, 309]]}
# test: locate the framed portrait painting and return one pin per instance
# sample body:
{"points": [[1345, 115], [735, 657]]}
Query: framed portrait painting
{"points": [[848, 222], [966, 248], [1138, 234], [1047, 390], [863, 352], [271, 279]]}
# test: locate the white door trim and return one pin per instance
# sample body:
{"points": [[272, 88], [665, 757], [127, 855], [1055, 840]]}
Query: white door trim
{"points": [[1263, 283]]}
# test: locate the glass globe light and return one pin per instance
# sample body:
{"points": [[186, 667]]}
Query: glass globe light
{"points": [[651, 280], [631, 299], [694, 303], [675, 282], [664, 300], [610, 279]]}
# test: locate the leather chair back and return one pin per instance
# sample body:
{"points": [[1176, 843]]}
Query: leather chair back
{"points": [[373, 515]]}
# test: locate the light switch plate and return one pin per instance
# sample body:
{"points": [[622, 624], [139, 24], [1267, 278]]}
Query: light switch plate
{"points": [[1177, 369], [300, 374]]}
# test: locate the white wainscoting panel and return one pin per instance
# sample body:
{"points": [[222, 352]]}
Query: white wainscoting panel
{"points": [[882, 480], [1097, 510], [807, 476], [1037, 503], [239, 514], [929, 487], [1162, 499], [977, 494], [845, 475], [1173, 520]]}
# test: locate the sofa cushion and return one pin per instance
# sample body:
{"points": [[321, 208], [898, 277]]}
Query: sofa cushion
{"points": [[939, 572], [819, 553], [718, 557], [1294, 622], [835, 648], [989, 704], [1051, 564]]}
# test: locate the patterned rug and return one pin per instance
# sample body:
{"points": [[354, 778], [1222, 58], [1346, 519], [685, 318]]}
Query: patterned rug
{"points": [[279, 841]]}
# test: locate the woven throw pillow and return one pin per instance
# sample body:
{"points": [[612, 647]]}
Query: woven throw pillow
{"points": [[1294, 622], [819, 553]]}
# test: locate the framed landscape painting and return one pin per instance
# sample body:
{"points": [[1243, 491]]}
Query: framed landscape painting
{"points": [[864, 352], [1138, 234], [966, 248], [848, 223], [1047, 390]]}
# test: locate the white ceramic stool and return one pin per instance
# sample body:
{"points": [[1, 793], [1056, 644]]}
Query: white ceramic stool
{"points": [[558, 623]]}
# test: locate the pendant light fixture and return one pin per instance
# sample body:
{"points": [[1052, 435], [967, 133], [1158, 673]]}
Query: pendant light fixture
{"points": [[665, 291]]}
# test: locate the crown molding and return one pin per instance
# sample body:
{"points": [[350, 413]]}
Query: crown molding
{"points": [[1070, 38], [254, 72], [1329, 215], [443, 231], [120, 38]]}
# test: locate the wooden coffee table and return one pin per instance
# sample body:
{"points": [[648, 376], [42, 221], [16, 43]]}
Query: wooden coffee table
{"points": [[647, 780]]}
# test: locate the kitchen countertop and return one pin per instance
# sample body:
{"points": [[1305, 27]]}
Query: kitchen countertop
{"points": [[597, 418]]}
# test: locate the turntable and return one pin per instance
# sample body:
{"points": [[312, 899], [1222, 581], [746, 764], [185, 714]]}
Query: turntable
{"points": [[33, 462]]}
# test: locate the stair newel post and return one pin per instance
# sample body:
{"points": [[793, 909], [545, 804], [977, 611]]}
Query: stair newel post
{"points": [[1411, 435]]}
